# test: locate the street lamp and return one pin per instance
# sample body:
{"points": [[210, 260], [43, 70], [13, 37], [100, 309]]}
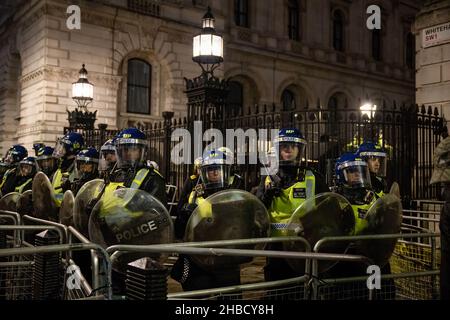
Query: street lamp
{"points": [[83, 95], [368, 111], [83, 90], [208, 45]]}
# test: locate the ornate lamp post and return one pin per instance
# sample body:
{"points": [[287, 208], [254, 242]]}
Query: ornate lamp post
{"points": [[206, 93], [82, 94], [369, 127]]}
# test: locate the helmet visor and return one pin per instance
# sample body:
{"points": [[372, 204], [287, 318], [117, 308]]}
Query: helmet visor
{"points": [[60, 149], [108, 159], [215, 176], [46, 164], [129, 155], [377, 164], [86, 166], [25, 169], [357, 176], [290, 153]]}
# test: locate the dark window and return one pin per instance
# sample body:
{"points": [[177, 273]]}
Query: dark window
{"points": [[139, 86], [410, 50], [376, 44], [288, 100], [241, 13], [338, 31], [293, 23], [235, 98]]}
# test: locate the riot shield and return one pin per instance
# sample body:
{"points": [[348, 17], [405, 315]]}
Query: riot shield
{"points": [[25, 204], [89, 191], [226, 215], [44, 202], [66, 209], [395, 190], [130, 216], [9, 201], [383, 217], [326, 215]]}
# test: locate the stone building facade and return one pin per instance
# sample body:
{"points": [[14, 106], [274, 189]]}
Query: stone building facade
{"points": [[294, 52], [433, 61]]}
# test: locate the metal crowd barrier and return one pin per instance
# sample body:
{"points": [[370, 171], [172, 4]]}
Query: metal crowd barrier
{"points": [[38, 273], [294, 288], [413, 272]]}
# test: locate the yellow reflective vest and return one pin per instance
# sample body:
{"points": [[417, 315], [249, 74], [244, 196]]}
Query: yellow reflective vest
{"points": [[20, 188], [58, 179], [360, 212], [283, 206], [107, 196]]}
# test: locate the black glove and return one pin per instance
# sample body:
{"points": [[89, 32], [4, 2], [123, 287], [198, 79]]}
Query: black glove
{"points": [[183, 218], [272, 191]]}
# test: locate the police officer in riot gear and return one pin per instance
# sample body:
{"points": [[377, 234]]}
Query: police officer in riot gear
{"points": [[37, 146], [285, 191], [353, 179], [376, 158], [189, 184], [353, 182], [108, 158], [86, 164], [65, 151], [22, 180], [14, 155], [132, 169], [215, 176], [45, 161]]}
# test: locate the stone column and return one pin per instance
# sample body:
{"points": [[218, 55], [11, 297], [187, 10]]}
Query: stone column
{"points": [[433, 58]]}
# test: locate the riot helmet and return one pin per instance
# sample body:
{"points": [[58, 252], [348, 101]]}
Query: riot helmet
{"points": [[87, 163], [27, 167], [352, 172], [131, 145], [290, 144], [375, 156], [15, 154], [108, 155], [215, 172], [45, 160], [69, 145]]}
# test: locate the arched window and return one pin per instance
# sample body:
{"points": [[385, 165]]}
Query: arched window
{"points": [[139, 86], [288, 100], [338, 30], [241, 13], [376, 44], [293, 20], [410, 50], [235, 99], [336, 104]]}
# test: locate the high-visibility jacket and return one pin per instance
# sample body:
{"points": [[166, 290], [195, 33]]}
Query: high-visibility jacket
{"points": [[283, 206], [57, 182], [21, 188]]}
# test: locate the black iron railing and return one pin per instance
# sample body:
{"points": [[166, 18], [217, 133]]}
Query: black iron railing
{"points": [[408, 133]]}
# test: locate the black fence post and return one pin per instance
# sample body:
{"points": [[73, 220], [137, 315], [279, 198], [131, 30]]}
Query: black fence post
{"points": [[167, 115]]}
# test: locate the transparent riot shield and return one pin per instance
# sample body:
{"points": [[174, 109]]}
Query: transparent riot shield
{"points": [[383, 217], [395, 190], [25, 204], [9, 201], [44, 201], [66, 209], [326, 215], [89, 191], [133, 217], [226, 215]]}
